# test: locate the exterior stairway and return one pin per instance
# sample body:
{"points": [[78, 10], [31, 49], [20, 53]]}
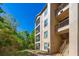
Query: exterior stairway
{"points": [[64, 50]]}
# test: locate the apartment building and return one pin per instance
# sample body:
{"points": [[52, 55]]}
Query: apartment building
{"points": [[59, 27], [63, 29], [42, 27], [52, 28], [67, 19]]}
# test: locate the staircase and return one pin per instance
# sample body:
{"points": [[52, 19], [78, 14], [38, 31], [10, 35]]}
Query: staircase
{"points": [[64, 50]]}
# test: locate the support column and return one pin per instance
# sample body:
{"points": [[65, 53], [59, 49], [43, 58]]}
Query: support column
{"points": [[73, 29], [55, 40]]}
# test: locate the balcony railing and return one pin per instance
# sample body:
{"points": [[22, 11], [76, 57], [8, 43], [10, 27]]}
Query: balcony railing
{"points": [[60, 7], [63, 23]]}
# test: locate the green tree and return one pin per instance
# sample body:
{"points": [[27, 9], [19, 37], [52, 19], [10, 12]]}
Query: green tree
{"points": [[1, 11], [28, 39], [8, 40], [31, 40]]}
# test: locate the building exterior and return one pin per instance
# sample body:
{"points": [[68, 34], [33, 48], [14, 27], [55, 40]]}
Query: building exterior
{"points": [[52, 28], [42, 29], [59, 20], [69, 30], [63, 29]]}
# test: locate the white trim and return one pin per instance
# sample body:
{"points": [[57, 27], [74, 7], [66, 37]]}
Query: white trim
{"points": [[63, 28], [65, 8]]}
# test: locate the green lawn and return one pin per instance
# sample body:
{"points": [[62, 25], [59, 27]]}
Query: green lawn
{"points": [[22, 53], [25, 52]]}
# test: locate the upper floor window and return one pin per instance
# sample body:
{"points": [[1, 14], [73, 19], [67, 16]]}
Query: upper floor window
{"points": [[37, 21], [45, 22], [45, 45], [38, 29], [45, 34], [46, 11]]}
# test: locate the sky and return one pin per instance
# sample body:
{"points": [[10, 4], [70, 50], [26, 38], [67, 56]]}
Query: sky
{"points": [[24, 13]]}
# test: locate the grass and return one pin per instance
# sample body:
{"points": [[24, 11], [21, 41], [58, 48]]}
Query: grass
{"points": [[23, 53]]}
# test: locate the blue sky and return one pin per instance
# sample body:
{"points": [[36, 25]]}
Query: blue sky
{"points": [[24, 13]]}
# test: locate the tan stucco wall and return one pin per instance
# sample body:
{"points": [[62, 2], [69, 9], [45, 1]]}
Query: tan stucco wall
{"points": [[55, 38]]}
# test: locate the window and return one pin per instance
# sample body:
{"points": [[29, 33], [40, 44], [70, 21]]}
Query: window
{"points": [[45, 34], [45, 45], [45, 22], [38, 29], [45, 13], [38, 46], [38, 21], [38, 38]]}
